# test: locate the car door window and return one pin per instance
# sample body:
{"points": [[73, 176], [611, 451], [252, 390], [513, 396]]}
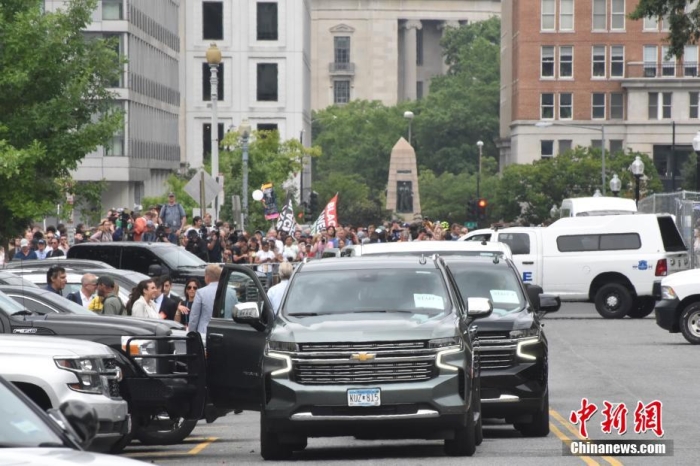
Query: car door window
{"points": [[138, 259], [240, 288], [33, 305], [519, 242], [107, 254]]}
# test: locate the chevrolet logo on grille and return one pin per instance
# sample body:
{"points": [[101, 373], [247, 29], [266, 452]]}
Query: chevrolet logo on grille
{"points": [[362, 357]]}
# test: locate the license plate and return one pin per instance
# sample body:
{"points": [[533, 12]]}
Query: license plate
{"points": [[364, 397]]}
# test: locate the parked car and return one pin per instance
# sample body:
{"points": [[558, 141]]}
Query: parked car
{"points": [[8, 278], [678, 305], [370, 347], [52, 371], [41, 301], [32, 437], [443, 248], [46, 264]]}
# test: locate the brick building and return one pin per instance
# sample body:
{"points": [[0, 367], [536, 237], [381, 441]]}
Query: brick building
{"points": [[585, 63]]}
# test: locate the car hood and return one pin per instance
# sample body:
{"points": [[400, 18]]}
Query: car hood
{"points": [[682, 278], [512, 321], [363, 327], [59, 457], [33, 344]]}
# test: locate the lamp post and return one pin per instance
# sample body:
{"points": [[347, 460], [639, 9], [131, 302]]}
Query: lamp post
{"points": [[553, 211], [245, 134], [615, 185], [480, 145], [637, 169], [409, 116], [601, 128], [696, 147], [214, 59]]}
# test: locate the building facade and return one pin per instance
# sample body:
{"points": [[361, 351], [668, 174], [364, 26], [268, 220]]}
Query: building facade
{"points": [[264, 75], [385, 50], [139, 158], [591, 76]]}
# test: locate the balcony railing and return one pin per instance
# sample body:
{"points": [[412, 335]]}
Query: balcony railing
{"points": [[346, 69], [663, 70]]}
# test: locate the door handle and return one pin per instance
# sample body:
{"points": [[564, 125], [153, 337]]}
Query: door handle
{"points": [[528, 262]]}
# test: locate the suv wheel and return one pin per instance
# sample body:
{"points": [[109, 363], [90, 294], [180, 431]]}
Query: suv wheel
{"points": [[270, 446], [180, 429], [464, 441], [690, 323], [613, 301], [539, 427], [642, 307]]}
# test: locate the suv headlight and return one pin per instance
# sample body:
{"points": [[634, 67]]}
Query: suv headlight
{"points": [[445, 342], [285, 346], [447, 347], [141, 347], [86, 371], [667, 292]]}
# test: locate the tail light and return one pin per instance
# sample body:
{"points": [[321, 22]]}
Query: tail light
{"points": [[661, 268]]}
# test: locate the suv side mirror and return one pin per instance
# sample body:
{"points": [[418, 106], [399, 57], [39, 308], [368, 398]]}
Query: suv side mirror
{"points": [[533, 293], [479, 307], [247, 313], [155, 270], [549, 303], [79, 419]]}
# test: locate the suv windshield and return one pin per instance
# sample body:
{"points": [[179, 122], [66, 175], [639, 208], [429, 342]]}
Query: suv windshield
{"points": [[417, 292], [499, 284], [20, 426], [178, 257]]}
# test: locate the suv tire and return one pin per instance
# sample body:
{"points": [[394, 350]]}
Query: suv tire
{"points": [[464, 441], [270, 446], [180, 431], [539, 427], [613, 301], [690, 323], [642, 307]]}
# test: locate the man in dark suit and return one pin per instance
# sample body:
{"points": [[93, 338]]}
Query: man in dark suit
{"points": [[55, 251], [88, 286]]}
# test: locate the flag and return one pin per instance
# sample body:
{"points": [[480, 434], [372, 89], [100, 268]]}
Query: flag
{"points": [[286, 220], [328, 218], [269, 202]]}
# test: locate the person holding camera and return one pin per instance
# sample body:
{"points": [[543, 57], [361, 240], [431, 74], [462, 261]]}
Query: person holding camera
{"points": [[195, 244]]}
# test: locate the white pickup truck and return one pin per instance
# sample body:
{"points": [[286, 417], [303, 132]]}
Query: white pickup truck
{"points": [[678, 305], [610, 260], [51, 370]]}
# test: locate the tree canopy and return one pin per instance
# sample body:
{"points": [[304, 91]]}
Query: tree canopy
{"points": [[683, 17], [55, 106]]}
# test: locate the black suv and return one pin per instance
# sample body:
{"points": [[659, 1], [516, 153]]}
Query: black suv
{"points": [[151, 259], [369, 347], [512, 345]]}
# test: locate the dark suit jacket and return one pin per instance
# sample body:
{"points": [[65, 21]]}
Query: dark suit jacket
{"points": [[75, 297], [55, 253], [169, 307]]}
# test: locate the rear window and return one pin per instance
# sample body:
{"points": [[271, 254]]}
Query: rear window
{"points": [[612, 242], [673, 242]]}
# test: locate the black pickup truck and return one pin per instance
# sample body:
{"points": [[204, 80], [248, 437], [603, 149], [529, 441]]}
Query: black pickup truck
{"points": [[163, 367]]}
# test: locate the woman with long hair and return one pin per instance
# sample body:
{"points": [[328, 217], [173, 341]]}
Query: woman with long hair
{"points": [[182, 315], [141, 300]]}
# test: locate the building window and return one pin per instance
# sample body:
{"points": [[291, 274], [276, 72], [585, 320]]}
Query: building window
{"points": [[341, 91], [566, 61], [341, 47], [206, 82], [547, 69], [267, 126], [616, 105], [653, 107], [206, 140], [267, 21], [659, 105], [651, 23], [419, 47], [419, 89], [548, 12], [564, 145], [546, 148], [668, 63], [617, 15], [566, 106], [690, 60], [666, 100], [693, 110], [598, 106], [650, 55], [213, 20], [616, 146], [112, 9], [598, 61], [566, 15], [617, 61], [599, 15], [547, 106], [267, 82]]}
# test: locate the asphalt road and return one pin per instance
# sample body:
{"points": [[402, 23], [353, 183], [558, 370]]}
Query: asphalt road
{"points": [[618, 361]]}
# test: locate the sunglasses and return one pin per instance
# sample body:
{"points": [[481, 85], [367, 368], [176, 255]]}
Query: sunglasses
{"points": [[191, 287]]}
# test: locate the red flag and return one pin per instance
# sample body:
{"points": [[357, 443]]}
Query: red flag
{"points": [[328, 218]]}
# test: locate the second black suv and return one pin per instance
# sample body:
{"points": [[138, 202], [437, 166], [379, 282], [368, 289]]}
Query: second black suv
{"points": [[369, 347]]}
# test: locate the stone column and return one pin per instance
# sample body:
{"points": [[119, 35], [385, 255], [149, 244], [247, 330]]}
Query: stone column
{"points": [[410, 58], [443, 27]]}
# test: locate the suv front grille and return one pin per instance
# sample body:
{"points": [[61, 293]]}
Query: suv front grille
{"points": [[496, 350], [373, 362], [109, 376]]}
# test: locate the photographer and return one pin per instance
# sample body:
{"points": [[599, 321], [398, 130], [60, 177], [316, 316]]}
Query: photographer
{"points": [[195, 244], [214, 246], [163, 233]]}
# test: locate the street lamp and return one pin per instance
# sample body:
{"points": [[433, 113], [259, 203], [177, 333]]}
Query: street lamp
{"points": [[479, 144], [244, 128], [615, 185], [637, 169], [696, 147], [409, 116], [553, 211], [601, 128], [214, 59]]}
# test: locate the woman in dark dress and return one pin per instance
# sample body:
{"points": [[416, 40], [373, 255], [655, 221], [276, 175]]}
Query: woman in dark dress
{"points": [[191, 288]]}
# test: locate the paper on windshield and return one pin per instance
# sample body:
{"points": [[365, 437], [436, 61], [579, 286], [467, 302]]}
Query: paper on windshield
{"points": [[429, 301], [504, 296]]}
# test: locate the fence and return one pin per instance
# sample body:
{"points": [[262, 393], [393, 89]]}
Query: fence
{"points": [[685, 206]]}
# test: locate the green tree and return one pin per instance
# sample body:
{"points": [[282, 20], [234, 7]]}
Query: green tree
{"points": [[684, 26], [689, 173], [54, 104], [354, 204]]}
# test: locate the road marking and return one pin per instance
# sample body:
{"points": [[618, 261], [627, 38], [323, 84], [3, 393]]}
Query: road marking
{"points": [[586, 459], [610, 460], [194, 451], [202, 446]]}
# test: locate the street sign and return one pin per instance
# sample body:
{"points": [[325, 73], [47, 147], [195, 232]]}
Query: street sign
{"points": [[470, 225], [211, 187]]}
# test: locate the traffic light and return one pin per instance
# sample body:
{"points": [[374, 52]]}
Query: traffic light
{"points": [[481, 208]]}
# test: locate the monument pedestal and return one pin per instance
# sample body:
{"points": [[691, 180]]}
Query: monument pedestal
{"points": [[402, 196]]}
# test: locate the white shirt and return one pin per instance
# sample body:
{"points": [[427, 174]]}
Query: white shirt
{"points": [[85, 299], [275, 294], [262, 255]]}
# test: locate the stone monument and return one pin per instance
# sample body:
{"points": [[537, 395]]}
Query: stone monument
{"points": [[402, 197]]}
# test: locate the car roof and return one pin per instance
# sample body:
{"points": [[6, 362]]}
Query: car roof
{"points": [[136, 244], [40, 277], [14, 279], [45, 264], [433, 247], [367, 263], [460, 262]]}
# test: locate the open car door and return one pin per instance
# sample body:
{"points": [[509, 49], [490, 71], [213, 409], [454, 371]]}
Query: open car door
{"points": [[235, 347]]}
